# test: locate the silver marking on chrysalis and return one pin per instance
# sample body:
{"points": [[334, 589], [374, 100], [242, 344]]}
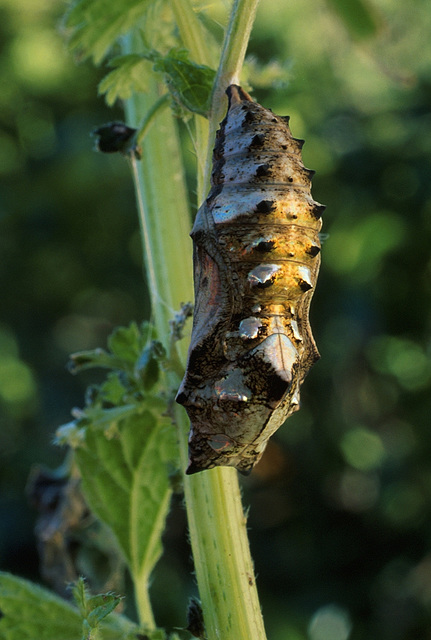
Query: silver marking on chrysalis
{"points": [[232, 387], [263, 275], [295, 330], [249, 328], [305, 275], [278, 351]]}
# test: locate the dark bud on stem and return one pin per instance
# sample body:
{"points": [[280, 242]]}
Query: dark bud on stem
{"points": [[117, 137]]}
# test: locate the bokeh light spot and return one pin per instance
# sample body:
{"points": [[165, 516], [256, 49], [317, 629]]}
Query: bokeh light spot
{"points": [[38, 58], [403, 359], [16, 381], [330, 623], [362, 449]]}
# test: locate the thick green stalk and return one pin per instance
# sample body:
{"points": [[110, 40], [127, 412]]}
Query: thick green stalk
{"points": [[192, 35], [163, 208], [165, 225], [224, 568]]}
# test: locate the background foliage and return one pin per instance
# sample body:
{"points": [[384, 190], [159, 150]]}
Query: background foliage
{"points": [[340, 504]]}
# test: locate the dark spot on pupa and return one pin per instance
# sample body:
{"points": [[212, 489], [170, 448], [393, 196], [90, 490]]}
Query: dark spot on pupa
{"points": [[198, 236], [265, 206], [248, 118], [318, 209], [258, 140], [313, 250], [265, 285], [263, 170], [304, 285], [265, 245], [181, 398], [278, 386]]}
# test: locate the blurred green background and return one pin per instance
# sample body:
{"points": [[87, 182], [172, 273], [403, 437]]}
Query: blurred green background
{"points": [[340, 506]]}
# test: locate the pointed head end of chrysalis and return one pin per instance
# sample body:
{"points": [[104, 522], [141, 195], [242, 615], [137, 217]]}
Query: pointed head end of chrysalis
{"points": [[236, 95]]}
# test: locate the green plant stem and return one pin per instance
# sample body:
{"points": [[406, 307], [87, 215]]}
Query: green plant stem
{"points": [[191, 31], [193, 38], [161, 103], [165, 224], [163, 210], [143, 604], [224, 568]]}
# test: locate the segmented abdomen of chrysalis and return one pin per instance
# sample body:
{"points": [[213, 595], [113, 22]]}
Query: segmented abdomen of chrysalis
{"points": [[256, 260]]}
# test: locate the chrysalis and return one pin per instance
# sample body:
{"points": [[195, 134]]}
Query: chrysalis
{"points": [[256, 259]]}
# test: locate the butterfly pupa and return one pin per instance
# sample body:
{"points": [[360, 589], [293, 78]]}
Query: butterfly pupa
{"points": [[256, 260]]}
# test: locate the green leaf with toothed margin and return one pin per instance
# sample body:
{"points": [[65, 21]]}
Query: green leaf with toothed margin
{"points": [[129, 75], [189, 83], [95, 25], [126, 482], [27, 612]]}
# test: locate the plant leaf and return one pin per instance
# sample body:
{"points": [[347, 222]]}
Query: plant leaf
{"points": [[130, 75], [126, 483], [125, 348], [30, 612], [147, 367], [108, 420], [113, 390], [96, 24], [126, 342], [190, 83], [90, 359]]}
